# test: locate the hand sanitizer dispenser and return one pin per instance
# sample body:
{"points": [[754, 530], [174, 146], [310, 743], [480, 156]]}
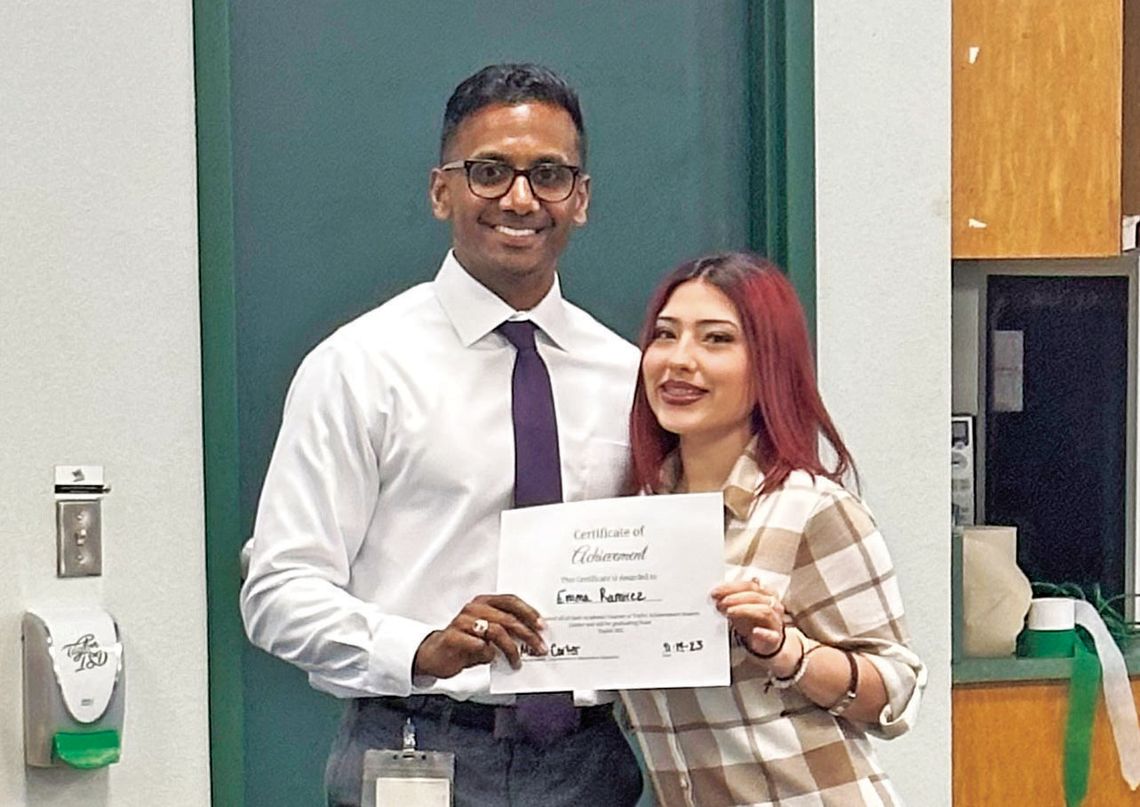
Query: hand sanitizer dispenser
{"points": [[73, 688]]}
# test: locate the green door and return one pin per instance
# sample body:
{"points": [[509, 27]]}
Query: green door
{"points": [[318, 123]]}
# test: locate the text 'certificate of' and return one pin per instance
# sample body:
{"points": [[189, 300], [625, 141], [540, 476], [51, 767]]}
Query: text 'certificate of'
{"points": [[623, 586]]}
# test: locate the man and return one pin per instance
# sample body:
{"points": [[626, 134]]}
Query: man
{"points": [[405, 435]]}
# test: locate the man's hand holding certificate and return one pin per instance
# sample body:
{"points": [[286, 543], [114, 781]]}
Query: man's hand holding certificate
{"points": [[623, 587]]}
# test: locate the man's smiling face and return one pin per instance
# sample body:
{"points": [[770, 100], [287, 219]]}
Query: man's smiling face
{"points": [[511, 245]]}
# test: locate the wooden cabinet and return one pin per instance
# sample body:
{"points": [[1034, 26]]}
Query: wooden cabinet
{"points": [[1045, 164], [1044, 119], [1008, 747]]}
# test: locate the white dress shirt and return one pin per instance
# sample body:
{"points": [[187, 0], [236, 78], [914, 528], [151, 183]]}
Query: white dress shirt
{"points": [[379, 517]]}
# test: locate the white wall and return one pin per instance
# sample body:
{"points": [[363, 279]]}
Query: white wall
{"points": [[882, 108], [99, 364]]}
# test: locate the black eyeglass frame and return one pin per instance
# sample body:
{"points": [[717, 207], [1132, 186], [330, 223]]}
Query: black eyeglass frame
{"points": [[467, 165]]}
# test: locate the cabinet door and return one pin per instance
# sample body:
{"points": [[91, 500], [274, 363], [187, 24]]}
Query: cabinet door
{"points": [[1009, 747], [1036, 128]]}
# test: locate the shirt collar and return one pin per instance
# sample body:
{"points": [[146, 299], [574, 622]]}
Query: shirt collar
{"points": [[475, 310], [739, 487], [743, 482]]}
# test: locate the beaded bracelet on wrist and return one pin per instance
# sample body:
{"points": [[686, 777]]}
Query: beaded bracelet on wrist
{"points": [[795, 676], [848, 697]]}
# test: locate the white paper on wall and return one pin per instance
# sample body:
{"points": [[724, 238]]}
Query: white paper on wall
{"points": [[1007, 370]]}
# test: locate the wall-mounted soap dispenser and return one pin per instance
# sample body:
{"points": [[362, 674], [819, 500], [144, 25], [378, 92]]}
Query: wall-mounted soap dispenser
{"points": [[74, 688]]}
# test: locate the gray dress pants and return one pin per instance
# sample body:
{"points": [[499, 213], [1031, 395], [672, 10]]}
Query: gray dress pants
{"points": [[593, 767]]}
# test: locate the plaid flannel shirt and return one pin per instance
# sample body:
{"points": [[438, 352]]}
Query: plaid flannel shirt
{"points": [[816, 546]]}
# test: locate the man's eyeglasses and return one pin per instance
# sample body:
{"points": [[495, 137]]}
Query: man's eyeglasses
{"points": [[491, 179]]}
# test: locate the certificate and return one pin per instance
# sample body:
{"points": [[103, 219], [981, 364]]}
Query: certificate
{"points": [[623, 586]]}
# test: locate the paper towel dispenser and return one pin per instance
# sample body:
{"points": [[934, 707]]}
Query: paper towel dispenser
{"points": [[74, 688]]}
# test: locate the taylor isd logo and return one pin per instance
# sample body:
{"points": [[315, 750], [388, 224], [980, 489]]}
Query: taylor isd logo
{"points": [[85, 652]]}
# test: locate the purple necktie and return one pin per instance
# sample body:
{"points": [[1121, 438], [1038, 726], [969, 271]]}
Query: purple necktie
{"points": [[543, 718], [538, 473]]}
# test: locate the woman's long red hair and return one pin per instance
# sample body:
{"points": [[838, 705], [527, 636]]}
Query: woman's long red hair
{"points": [[789, 416]]}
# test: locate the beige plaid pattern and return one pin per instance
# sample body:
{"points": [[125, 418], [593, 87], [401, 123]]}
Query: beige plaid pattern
{"points": [[818, 548]]}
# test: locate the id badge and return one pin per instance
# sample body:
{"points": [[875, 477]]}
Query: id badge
{"points": [[408, 777]]}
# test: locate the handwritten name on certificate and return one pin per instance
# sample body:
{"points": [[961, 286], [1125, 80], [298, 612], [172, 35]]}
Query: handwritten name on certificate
{"points": [[623, 586]]}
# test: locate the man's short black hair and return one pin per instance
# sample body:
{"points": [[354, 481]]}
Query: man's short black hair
{"points": [[510, 84]]}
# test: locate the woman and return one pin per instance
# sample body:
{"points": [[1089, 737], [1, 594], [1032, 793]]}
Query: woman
{"points": [[727, 400]]}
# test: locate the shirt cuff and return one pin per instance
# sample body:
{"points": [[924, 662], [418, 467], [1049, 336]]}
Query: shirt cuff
{"points": [[396, 641], [903, 696]]}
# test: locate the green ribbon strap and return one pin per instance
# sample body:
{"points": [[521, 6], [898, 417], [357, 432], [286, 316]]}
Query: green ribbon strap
{"points": [[1084, 689]]}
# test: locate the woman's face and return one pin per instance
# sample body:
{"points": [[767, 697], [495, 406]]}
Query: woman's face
{"points": [[696, 369]]}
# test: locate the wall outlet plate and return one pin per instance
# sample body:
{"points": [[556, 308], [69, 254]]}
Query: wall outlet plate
{"points": [[79, 538]]}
